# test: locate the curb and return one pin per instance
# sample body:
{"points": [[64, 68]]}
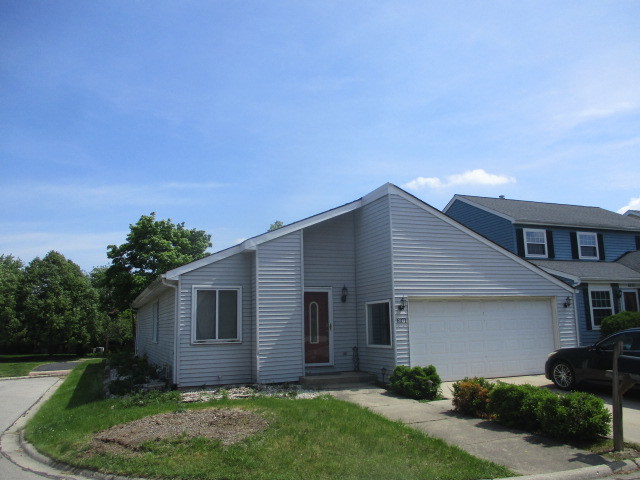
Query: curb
{"points": [[586, 473]]}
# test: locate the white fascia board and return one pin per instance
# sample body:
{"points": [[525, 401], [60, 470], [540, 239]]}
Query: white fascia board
{"points": [[251, 243], [152, 291], [214, 257], [481, 207], [379, 192], [438, 214]]}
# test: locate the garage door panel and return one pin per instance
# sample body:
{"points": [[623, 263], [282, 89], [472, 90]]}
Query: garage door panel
{"points": [[481, 338]]}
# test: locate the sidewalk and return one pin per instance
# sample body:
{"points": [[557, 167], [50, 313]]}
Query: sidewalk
{"points": [[522, 452]]}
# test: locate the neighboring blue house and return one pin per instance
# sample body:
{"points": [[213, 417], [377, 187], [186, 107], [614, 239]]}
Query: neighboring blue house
{"points": [[592, 249], [382, 281]]}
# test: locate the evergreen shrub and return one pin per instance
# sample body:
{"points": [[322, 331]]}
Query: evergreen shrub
{"points": [[420, 383]]}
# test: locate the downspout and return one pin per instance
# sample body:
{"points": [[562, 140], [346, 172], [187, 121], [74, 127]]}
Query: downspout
{"points": [[174, 372]]}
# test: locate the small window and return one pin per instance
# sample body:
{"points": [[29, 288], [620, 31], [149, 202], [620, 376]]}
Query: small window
{"points": [[535, 242], [314, 324], [216, 317], [588, 245], [378, 324], [155, 322], [601, 306]]}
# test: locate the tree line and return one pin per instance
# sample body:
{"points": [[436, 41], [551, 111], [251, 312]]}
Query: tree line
{"points": [[51, 306]]}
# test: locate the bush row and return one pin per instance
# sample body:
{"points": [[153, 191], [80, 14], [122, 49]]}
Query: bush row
{"points": [[576, 415]]}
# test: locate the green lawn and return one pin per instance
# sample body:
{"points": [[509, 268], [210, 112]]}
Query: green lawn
{"points": [[21, 365], [312, 439]]}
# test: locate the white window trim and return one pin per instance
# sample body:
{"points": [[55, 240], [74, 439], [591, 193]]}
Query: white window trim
{"points": [[366, 315], [602, 288], [155, 321], [194, 290], [526, 248], [584, 257]]}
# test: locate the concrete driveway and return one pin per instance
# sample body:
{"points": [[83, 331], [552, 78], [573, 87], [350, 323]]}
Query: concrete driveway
{"points": [[18, 395]]}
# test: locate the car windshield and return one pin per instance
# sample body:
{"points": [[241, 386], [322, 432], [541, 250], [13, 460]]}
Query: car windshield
{"points": [[630, 341]]}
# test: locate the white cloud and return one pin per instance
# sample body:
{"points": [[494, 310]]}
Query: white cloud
{"points": [[634, 204], [470, 177]]}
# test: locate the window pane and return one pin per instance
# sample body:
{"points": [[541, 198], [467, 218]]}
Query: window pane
{"points": [[535, 249], [313, 323], [205, 315], [228, 312], [600, 299], [536, 237], [379, 324]]}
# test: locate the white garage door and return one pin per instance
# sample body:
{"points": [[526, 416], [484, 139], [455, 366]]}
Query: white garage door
{"points": [[487, 338]]}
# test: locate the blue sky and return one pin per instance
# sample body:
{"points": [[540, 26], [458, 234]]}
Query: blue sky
{"points": [[230, 115]]}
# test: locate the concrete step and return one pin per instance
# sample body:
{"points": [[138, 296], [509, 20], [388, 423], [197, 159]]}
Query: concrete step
{"points": [[341, 378]]}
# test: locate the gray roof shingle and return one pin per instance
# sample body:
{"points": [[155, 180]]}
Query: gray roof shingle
{"points": [[631, 260], [540, 213], [607, 271]]}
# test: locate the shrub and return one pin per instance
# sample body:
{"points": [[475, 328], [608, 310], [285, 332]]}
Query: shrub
{"points": [[576, 415], [421, 383], [471, 396], [619, 321], [132, 371], [516, 405]]}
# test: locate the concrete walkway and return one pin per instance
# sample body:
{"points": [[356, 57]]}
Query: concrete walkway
{"points": [[522, 452]]}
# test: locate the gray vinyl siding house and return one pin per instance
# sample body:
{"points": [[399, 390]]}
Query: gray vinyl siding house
{"points": [[382, 281]]}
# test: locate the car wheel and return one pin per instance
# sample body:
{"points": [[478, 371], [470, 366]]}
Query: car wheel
{"points": [[563, 376]]}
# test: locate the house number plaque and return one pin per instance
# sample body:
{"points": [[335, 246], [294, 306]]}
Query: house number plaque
{"points": [[401, 319]]}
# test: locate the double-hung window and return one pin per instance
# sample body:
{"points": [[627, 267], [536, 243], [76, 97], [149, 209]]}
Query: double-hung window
{"points": [[601, 305], [588, 245], [216, 315], [378, 324], [535, 242]]}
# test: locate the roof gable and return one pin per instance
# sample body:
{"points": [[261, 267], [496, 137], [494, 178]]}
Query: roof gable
{"points": [[540, 213], [386, 189]]}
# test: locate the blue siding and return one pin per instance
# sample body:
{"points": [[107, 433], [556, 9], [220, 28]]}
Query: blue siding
{"points": [[587, 337], [495, 228], [617, 244], [562, 244]]}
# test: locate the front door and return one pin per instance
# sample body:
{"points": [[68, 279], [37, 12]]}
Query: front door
{"points": [[317, 329], [630, 300]]}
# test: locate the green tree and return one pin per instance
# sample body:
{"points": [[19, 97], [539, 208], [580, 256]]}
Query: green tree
{"points": [[12, 331], [118, 326], [276, 225], [60, 306], [152, 247]]}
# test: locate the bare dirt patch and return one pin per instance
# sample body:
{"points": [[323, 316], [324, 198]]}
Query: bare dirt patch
{"points": [[226, 425]]}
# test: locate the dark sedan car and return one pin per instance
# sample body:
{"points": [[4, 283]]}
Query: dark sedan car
{"points": [[569, 366]]}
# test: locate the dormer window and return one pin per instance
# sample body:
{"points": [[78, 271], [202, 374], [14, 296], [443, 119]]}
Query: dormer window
{"points": [[588, 246], [535, 242]]}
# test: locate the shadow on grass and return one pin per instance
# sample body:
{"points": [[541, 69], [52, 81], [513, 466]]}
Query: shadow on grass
{"points": [[89, 387]]}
